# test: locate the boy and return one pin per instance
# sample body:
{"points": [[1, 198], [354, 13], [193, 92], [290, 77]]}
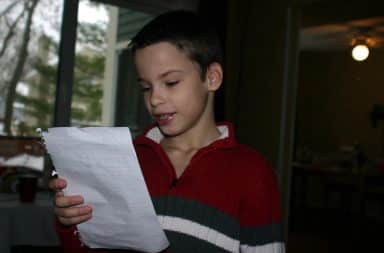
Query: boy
{"points": [[211, 193]]}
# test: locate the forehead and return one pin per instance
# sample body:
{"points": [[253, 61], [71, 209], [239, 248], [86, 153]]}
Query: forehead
{"points": [[161, 56]]}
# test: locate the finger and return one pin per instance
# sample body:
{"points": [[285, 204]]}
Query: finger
{"points": [[57, 184], [75, 220], [73, 212], [58, 194], [67, 201]]}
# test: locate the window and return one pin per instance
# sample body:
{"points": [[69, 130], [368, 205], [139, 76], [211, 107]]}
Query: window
{"points": [[28, 60]]}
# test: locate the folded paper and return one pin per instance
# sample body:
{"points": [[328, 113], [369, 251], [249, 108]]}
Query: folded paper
{"points": [[100, 164]]}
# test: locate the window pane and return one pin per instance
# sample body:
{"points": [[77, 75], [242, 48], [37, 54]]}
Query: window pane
{"points": [[28, 60], [89, 66]]}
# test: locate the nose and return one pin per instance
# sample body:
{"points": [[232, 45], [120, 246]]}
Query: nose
{"points": [[157, 96]]}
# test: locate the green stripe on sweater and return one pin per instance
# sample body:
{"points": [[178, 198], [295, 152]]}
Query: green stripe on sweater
{"points": [[197, 212], [188, 244], [215, 219]]}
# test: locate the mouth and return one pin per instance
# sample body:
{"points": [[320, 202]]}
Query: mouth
{"points": [[164, 118]]}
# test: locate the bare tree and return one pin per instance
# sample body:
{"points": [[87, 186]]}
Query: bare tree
{"points": [[10, 33], [11, 16], [9, 8], [21, 59]]}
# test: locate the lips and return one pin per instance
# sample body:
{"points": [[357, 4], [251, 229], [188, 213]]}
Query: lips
{"points": [[164, 118]]}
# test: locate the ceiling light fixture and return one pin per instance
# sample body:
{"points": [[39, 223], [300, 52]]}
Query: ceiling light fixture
{"points": [[360, 50]]}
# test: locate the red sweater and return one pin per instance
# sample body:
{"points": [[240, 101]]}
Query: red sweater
{"points": [[226, 200]]}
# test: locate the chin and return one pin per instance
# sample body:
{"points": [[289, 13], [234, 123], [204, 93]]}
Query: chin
{"points": [[169, 131]]}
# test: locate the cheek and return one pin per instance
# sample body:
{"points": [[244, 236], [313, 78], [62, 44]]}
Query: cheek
{"points": [[193, 100]]}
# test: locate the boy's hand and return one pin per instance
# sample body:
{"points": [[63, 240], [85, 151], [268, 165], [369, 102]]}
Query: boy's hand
{"points": [[66, 207]]}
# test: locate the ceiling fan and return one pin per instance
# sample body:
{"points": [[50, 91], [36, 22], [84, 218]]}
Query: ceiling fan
{"points": [[342, 36]]}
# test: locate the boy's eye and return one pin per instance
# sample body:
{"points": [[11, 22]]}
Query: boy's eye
{"points": [[144, 89], [171, 83], [144, 86]]}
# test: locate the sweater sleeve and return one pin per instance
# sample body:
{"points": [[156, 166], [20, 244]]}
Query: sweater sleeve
{"points": [[69, 238], [261, 227]]}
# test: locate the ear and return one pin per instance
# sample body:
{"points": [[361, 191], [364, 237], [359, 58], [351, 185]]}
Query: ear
{"points": [[214, 76]]}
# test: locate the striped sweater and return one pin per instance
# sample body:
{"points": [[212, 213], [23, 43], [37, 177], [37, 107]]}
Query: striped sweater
{"points": [[226, 200]]}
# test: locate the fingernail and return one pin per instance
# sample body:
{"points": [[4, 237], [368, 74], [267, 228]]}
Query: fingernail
{"points": [[85, 209]]}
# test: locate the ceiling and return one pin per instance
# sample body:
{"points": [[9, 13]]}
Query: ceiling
{"points": [[340, 36]]}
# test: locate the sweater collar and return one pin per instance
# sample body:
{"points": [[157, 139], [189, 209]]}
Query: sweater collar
{"points": [[153, 135]]}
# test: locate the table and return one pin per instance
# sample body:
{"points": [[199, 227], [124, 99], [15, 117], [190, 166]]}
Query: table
{"points": [[350, 183], [26, 223]]}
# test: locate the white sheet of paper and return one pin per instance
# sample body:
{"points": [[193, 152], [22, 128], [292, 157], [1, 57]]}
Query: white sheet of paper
{"points": [[100, 164]]}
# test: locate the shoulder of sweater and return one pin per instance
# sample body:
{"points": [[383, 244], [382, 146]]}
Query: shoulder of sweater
{"points": [[246, 152], [246, 159]]}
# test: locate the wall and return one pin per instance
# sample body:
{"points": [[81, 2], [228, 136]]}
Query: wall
{"points": [[335, 97]]}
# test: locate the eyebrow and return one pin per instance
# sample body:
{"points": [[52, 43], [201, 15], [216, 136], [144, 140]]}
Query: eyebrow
{"points": [[170, 72], [162, 74]]}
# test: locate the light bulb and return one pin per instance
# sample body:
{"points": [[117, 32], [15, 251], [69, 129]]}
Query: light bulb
{"points": [[360, 52]]}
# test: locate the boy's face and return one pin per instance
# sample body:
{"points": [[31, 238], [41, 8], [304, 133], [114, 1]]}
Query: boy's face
{"points": [[174, 93]]}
